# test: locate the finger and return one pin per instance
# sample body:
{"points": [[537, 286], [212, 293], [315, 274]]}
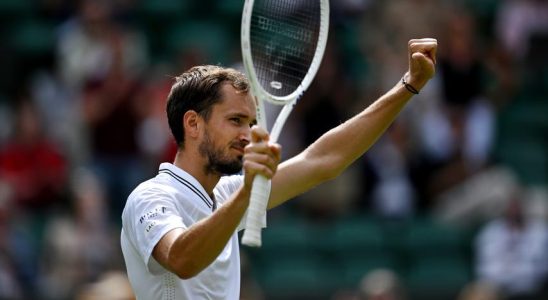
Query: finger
{"points": [[263, 153], [418, 56], [429, 50], [268, 160], [433, 52], [423, 47], [253, 168], [422, 59], [426, 46], [257, 147], [421, 62], [423, 40], [276, 151], [258, 134]]}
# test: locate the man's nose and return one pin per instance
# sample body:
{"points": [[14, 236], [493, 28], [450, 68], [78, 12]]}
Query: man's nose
{"points": [[245, 135]]}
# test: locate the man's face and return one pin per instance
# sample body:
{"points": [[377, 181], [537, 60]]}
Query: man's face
{"points": [[227, 132]]}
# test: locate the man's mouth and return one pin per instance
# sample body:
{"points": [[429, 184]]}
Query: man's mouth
{"points": [[239, 149], [239, 146]]}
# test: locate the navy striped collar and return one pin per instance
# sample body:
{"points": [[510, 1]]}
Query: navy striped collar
{"points": [[188, 181]]}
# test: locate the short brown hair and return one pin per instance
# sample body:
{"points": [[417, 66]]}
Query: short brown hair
{"points": [[199, 89]]}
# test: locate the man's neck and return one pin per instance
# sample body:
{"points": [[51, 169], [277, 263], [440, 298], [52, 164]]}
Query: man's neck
{"points": [[194, 165]]}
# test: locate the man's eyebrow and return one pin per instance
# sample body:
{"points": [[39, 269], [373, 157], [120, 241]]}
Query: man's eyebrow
{"points": [[238, 115], [243, 116]]}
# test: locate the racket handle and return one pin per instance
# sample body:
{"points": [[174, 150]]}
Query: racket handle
{"points": [[260, 192]]}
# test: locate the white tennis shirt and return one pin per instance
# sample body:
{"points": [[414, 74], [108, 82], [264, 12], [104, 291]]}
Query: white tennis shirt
{"points": [[174, 199]]}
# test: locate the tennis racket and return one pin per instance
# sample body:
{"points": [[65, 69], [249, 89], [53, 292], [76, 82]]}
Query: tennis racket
{"points": [[283, 42]]}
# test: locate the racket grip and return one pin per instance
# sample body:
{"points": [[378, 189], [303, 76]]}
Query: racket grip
{"points": [[260, 192]]}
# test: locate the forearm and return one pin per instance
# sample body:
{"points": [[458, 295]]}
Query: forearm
{"points": [[198, 246], [342, 145], [334, 151]]}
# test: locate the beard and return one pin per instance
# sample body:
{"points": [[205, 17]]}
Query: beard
{"points": [[217, 160]]}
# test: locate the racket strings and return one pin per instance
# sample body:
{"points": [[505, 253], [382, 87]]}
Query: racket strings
{"points": [[283, 41]]}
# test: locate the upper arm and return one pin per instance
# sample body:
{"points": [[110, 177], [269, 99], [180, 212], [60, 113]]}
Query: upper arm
{"points": [[162, 249], [150, 216]]}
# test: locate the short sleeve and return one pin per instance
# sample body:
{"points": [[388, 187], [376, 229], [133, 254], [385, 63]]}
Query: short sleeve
{"points": [[149, 215]]}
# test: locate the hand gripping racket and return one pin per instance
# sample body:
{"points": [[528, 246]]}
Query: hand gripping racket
{"points": [[283, 42]]}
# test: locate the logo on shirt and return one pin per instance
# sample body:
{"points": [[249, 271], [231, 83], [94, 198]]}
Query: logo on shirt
{"points": [[149, 216]]}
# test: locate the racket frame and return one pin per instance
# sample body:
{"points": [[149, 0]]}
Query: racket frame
{"points": [[261, 186]]}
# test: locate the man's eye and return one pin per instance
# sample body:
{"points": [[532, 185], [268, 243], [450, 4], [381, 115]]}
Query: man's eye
{"points": [[236, 120]]}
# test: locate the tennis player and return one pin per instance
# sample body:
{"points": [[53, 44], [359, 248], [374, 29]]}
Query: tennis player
{"points": [[179, 236]]}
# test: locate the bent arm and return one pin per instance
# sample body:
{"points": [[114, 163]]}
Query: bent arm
{"points": [[186, 252]]}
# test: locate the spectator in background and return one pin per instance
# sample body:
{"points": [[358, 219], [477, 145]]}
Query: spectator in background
{"points": [[517, 21], [31, 166], [390, 26], [78, 244], [84, 48], [393, 195], [462, 76], [33, 175], [457, 134], [112, 112], [101, 61], [512, 252], [153, 135], [390, 23], [153, 132], [522, 32], [9, 286]]}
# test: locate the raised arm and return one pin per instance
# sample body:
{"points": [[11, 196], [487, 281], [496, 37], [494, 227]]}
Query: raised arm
{"points": [[334, 151]]}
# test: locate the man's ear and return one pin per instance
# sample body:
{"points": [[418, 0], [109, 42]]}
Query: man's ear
{"points": [[191, 123]]}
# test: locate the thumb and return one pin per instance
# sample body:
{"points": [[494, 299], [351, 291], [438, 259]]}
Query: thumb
{"points": [[421, 67], [419, 59]]}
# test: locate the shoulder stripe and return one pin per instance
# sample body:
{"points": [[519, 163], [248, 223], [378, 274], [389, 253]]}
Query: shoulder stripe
{"points": [[188, 185]]}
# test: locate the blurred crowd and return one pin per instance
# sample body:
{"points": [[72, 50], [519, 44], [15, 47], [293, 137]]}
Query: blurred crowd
{"points": [[82, 122]]}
